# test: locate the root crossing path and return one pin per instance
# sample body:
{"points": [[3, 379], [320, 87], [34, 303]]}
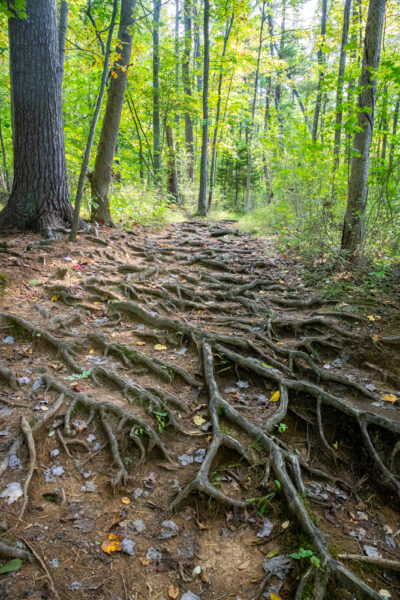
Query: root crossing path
{"points": [[181, 417]]}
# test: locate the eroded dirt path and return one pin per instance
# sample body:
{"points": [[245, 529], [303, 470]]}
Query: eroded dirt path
{"points": [[197, 407]]}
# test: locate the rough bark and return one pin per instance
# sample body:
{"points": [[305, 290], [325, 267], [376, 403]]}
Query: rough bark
{"points": [[62, 32], [39, 198], [89, 143], [321, 61], [340, 82], [187, 18], [202, 204], [156, 91], [353, 227], [101, 177], [3, 152]]}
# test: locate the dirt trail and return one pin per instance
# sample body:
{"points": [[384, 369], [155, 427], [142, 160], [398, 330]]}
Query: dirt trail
{"points": [[191, 415]]}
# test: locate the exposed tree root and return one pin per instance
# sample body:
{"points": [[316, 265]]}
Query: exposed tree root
{"points": [[26, 428]]}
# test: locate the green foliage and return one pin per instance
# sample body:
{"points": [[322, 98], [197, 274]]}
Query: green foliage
{"points": [[303, 553]]}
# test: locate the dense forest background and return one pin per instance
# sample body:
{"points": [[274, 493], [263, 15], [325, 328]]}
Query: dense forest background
{"points": [[283, 109]]}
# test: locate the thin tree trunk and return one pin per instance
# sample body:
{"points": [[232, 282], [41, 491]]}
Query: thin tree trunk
{"points": [[62, 32], [156, 91], [3, 152], [89, 143], [218, 110], [253, 109], [384, 123], [354, 221], [202, 205], [176, 44], [187, 14], [352, 84], [100, 179], [196, 52], [340, 83], [172, 177], [39, 198], [321, 74]]}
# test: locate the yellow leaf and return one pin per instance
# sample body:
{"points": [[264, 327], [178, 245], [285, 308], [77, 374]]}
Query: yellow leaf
{"points": [[285, 524], [91, 351], [160, 347], [371, 317], [54, 298], [113, 544], [390, 398], [336, 445], [376, 338], [275, 397], [274, 596], [140, 343], [198, 420], [125, 500], [173, 591]]}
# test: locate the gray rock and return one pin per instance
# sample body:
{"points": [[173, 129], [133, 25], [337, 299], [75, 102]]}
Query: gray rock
{"points": [[154, 554], [170, 528], [185, 459], [128, 546], [8, 340], [190, 596], [371, 551], [138, 525], [74, 586], [14, 462], [54, 562], [199, 455], [23, 380], [54, 453], [278, 565], [266, 528], [90, 487]]}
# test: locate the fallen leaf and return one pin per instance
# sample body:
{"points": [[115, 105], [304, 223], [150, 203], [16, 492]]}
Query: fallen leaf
{"points": [[244, 565], [274, 596], [336, 445], [371, 317], [285, 524], [140, 343], [145, 562], [78, 388], [54, 298], [390, 398], [125, 500], [173, 591], [198, 420], [11, 565], [112, 544], [275, 397], [160, 347], [91, 351]]}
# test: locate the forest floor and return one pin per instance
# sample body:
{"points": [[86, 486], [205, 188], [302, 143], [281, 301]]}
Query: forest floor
{"points": [[179, 413]]}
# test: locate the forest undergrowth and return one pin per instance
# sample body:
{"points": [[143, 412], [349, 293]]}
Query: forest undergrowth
{"points": [[185, 415]]}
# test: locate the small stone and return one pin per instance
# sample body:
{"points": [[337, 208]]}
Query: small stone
{"points": [[58, 471], [371, 551], [243, 385], [90, 487], [139, 525], [91, 437], [74, 586], [8, 340], [199, 455], [14, 462], [128, 546], [54, 453], [170, 529], [190, 596], [38, 384], [54, 562], [23, 380], [185, 459], [266, 528], [67, 259], [154, 554]]}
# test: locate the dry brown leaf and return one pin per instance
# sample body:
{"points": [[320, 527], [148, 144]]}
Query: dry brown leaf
{"points": [[173, 591]]}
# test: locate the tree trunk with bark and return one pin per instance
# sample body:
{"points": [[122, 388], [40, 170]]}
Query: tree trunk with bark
{"points": [[187, 87], [354, 221], [202, 205], [62, 33], [156, 91], [321, 64], [3, 152], [102, 173], [39, 198]]}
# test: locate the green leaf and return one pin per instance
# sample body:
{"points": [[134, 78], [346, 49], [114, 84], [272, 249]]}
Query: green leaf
{"points": [[34, 282], [12, 565]]}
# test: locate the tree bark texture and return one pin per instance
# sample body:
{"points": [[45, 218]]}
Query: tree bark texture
{"points": [[353, 227], [62, 33], [3, 152], [39, 198], [202, 205], [102, 173]]}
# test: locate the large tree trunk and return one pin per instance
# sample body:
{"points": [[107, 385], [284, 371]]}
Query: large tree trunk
{"points": [[321, 64], [353, 227], [156, 91], [3, 152], [62, 33], [202, 205], [340, 82], [102, 173], [39, 199], [187, 87]]}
